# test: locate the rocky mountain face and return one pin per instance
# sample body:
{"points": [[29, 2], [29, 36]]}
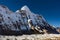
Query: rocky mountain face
{"points": [[23, 21], [58, 29]]}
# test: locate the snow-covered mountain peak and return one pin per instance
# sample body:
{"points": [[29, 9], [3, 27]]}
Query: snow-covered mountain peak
{"points": [[25, 8], [4, 7], [17, 11], [21, 20]]}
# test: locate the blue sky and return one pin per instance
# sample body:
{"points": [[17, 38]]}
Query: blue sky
{"points": [[50, 9]]}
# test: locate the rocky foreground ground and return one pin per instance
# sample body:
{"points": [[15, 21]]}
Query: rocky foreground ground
{"points": [[32, 37]]}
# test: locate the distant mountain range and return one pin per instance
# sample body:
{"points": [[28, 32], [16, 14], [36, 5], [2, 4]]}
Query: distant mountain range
{"points": [[23, 21]]}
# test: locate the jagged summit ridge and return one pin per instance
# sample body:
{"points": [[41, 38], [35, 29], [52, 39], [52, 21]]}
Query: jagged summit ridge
{"points": [[25, 8]]}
